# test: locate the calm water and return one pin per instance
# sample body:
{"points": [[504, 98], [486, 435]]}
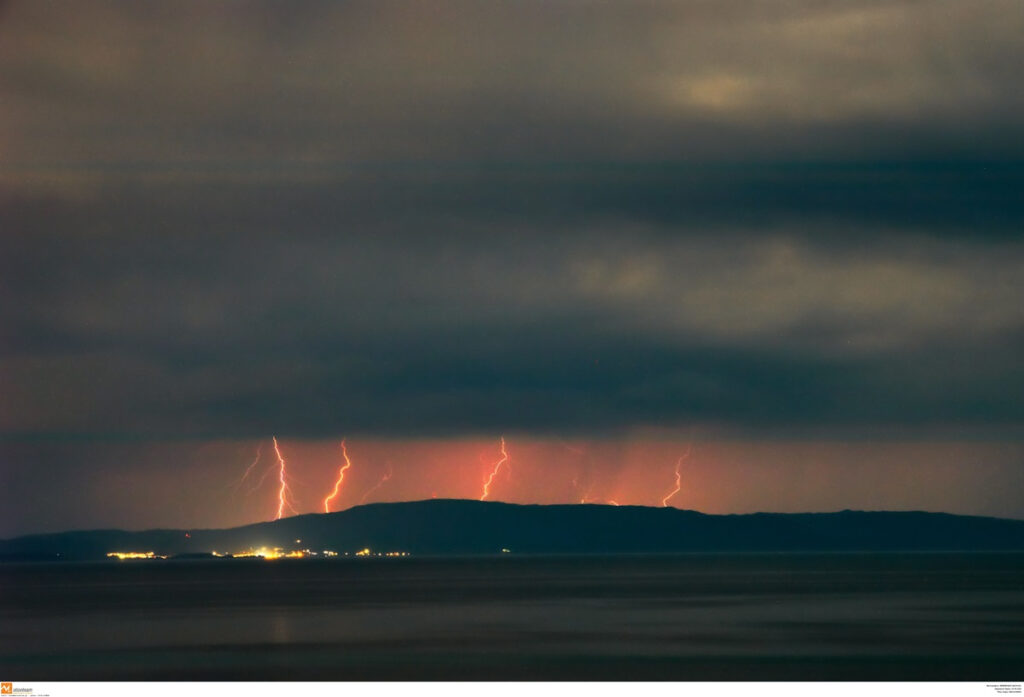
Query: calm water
{"points": [[763, 617]]}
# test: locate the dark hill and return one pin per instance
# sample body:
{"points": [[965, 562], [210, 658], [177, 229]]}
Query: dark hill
{"points": [[474, 527]]}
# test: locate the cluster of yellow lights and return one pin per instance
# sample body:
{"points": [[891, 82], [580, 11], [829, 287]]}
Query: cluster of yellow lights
{"points": [[135, 555], [367, 552], [279, 553], [265, 553]]}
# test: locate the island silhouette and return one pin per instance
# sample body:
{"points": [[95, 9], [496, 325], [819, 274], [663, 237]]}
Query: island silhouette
{"points": [[462, 527]]}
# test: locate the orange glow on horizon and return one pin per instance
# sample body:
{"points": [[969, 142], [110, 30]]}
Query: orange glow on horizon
{"points": [[341, 478], [497, 467], [727, 477]]}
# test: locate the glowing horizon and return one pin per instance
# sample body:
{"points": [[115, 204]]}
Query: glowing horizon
{"points": [[187, 484]]}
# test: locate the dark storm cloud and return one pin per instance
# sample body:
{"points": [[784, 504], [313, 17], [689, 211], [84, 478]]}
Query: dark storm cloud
{"points": [[580, 80], [231, 218]]}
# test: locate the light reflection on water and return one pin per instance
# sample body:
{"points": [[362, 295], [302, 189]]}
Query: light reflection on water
{"points": [[692, 617]]}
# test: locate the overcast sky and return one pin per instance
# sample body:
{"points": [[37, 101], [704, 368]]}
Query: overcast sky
{"points": [[448, 220]]}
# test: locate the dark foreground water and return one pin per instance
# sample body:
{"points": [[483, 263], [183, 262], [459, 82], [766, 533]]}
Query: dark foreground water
{"points": [[696, 617]]}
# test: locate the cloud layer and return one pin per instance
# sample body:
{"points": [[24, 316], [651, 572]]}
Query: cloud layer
{"points": [[231, 218]]}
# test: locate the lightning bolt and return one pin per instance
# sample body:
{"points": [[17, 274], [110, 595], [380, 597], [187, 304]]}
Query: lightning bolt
{"points": [[376, 486], [679, 463], [586, 497], [572, 449], [581, 473], [283, 493], [586, 494], [494, 473], [577, 486], [248, 470], [261, 482], [341, 478]]}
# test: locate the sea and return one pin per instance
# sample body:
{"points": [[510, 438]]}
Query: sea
{"points": [[696, 617]]}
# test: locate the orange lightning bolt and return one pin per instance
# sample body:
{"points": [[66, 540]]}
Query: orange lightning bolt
{"points": [[283, 492], [576, 486], [261, 482], [376, 486], [497, 468], [679, 462], [341, 478], [586, 495], [248, 470], [572, 449]]}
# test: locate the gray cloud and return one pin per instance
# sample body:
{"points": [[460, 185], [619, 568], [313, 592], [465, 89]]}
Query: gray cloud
{"points": [[246, 82], [221, 219]]}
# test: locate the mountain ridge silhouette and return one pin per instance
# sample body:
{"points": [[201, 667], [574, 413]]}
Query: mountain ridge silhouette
{"points": [[464, 527]]}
